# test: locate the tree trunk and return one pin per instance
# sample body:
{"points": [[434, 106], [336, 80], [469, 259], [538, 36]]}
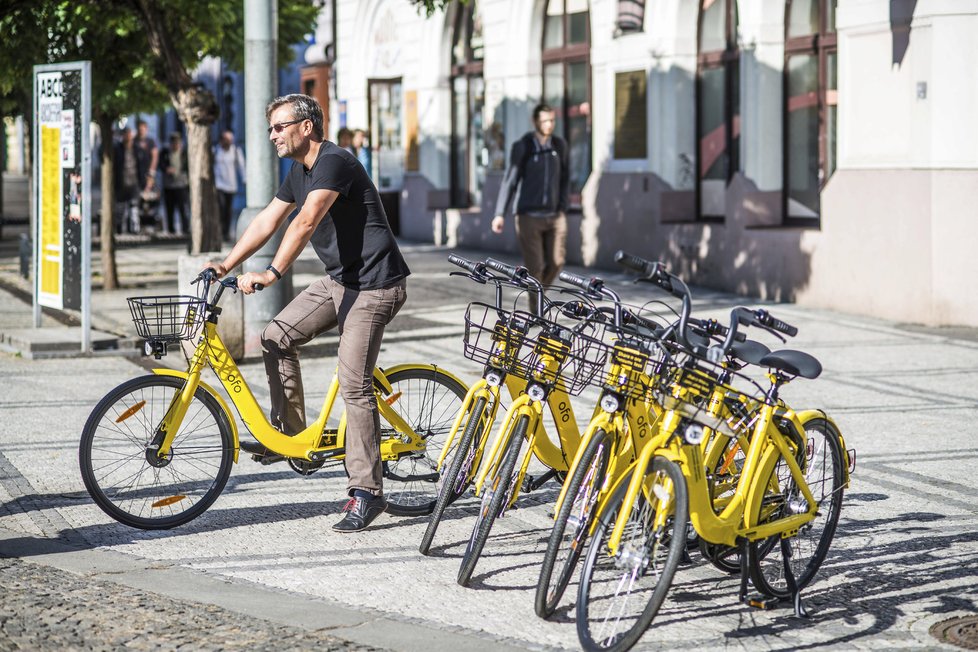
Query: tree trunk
{"points": [[110, 278], [198, 110]]}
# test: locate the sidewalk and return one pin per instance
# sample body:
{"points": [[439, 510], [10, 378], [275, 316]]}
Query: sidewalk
{"points": [[903, 559]]}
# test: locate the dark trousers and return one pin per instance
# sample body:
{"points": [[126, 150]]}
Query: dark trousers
{"points": [[225, 200], [361, 317], [177, 199]]}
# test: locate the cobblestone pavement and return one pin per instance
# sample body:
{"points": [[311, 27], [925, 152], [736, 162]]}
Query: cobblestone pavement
{"points": [[49, 609], [905, 555]]}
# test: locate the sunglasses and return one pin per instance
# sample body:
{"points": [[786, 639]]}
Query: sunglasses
{"points": [[282, 125]]}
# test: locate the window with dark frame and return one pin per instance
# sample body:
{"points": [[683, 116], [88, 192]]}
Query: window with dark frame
{"points": [[717, 106], [567, 82], [468, 152], [810, 106]]}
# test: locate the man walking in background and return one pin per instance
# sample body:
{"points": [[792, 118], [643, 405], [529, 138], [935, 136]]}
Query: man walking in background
{"points": [[539, 177]]}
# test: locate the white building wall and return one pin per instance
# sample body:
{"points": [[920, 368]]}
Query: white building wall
{"points": [[897, 228]]}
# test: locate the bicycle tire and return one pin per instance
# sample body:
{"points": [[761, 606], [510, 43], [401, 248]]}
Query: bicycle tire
{"points": [[823, 455], [495, 498], [427, 399], [580, 500], [116, 469], [460, 471], [602, 575]]}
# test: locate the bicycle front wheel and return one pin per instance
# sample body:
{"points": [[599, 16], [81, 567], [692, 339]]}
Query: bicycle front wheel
{"points": [[496, 495], [620, 594], [131, 483], [428, 400], [461, 468], [572, 524], [824, 469]]}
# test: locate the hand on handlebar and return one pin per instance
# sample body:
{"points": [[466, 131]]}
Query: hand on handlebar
{"points": [[251, 282]]}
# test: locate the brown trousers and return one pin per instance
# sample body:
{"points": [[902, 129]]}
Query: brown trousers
{"points": [[361, 317], [544, 244]]}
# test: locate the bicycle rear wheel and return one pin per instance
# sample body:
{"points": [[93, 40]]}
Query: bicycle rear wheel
{"points": [[824, 469], [572, 524], [428, 400], [496, 495], [620, 595], [461, 468], [131, 483]]}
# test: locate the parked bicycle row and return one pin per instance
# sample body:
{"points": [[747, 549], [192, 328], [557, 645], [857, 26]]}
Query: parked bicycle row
{"points": [[688, 443]]}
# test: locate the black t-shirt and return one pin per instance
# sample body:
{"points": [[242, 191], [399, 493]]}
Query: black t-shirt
{"points": [[354, 239]]}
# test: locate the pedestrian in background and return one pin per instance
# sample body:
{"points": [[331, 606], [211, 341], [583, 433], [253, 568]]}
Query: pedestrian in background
{"points": [[229, 164], [176, 185], [539, 176], [149, 195], [130, 164], [344, 138], [329, 201], [362, 149]]}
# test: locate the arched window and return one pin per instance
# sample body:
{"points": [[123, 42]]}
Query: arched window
{"points": [[811, 98], [567, 82], [717, 105], [469, 154]]}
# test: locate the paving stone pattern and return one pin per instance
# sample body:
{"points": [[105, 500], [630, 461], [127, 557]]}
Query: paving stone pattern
{"points": [[904, 559]]}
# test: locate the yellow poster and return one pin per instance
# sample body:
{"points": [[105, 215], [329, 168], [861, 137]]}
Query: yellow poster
{"points": [[50, 217]]}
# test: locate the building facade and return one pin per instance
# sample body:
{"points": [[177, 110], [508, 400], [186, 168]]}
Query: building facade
{"points": [[819, 151]]}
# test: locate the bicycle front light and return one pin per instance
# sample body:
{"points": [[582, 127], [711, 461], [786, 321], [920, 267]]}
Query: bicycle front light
{"points": [[493, 378], [610, 403], [694, 434], [536, 392]]}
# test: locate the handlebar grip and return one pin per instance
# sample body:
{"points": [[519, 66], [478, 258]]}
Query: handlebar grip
{"points": [[764, 318], [629, 318], [592, 284], [635, 263], [467, 265], [259, 287], [512, 271]]}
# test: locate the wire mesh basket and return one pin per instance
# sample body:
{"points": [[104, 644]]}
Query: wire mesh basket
{"points": [[709, 394], [533, 348], [167, 318]]}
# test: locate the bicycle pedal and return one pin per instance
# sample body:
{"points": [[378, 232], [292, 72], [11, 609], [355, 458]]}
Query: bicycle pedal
{"points": [[265, 460], [761, 601]]}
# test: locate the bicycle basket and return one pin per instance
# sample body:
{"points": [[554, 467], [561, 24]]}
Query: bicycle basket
{"points": [[691, 388], [167, 318], [567, 359], [494, 337]]}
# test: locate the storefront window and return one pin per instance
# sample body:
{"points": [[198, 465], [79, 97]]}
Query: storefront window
{"points": [[811, 100], [469, 156], [717, 104], [567, 82]]}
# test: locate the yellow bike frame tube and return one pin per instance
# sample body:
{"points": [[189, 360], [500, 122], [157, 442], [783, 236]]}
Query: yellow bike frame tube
{"points": [[604, 421], [518, 408], [210, 390], [180, 402]]}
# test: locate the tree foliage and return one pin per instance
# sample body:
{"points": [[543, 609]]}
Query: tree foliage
{"points": [[143, 53], [431, 6]]}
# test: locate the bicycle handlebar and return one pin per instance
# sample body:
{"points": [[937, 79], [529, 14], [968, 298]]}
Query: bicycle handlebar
{"points": [[474, 268], [764, 318]]}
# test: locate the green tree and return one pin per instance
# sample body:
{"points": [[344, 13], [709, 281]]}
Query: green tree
{"points": [[142, 53]]}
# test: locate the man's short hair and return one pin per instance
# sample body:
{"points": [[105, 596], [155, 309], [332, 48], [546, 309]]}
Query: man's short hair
{"points": [[303, 108], [541, 108]]}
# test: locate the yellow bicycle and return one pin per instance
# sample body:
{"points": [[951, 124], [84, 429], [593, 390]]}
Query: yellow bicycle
{"points": [[157, 450], [789, 490]]}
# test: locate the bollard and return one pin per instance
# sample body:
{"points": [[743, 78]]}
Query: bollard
{"points": [[25, 255]]}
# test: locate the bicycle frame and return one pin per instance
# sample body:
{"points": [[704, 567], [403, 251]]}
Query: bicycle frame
{"points": [[313, 443]]}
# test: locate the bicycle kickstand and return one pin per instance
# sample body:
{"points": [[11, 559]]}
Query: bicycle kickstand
{"points": [[532, 484], [759, 601], [789, 578]]}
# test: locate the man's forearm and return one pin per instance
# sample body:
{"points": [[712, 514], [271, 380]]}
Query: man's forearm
{"points": [[254, 238]]}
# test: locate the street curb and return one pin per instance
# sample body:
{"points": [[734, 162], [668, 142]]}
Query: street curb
{"points": [[362, 626]]}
